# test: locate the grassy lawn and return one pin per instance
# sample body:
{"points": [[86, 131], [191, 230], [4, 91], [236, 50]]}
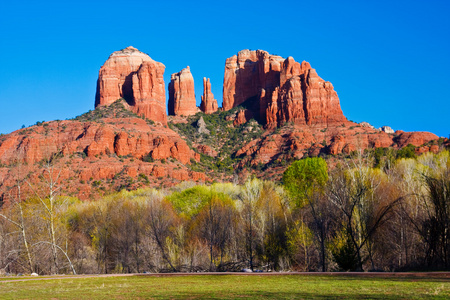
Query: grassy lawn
{"points": [[228, 287]]}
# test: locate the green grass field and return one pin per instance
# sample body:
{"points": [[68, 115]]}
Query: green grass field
{"points": [[228, 287]]}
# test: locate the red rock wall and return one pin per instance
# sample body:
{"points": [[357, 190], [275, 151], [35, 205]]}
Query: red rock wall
{"points": [[281, 90], [149, 92], [182, 94]]}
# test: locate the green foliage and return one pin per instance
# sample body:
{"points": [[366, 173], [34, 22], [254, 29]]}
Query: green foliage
{"points": [[148, 158], [343, 251], [96, 183], [114, 110], [383, 157], [190, 201], [144, 177], [304, 177], [407, 152], [224, 138]]}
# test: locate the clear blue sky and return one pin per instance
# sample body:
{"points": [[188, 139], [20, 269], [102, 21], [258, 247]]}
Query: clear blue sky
{"points": [[389, 61]]}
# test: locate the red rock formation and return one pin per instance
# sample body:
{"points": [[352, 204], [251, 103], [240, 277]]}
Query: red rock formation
{"points": [[279, 90], [134, 76], [246, 74], [434, 149], [415, 138], [207, 150], [149, 93], [97, 151], [208, 104], [242, 117], [182, 94]]}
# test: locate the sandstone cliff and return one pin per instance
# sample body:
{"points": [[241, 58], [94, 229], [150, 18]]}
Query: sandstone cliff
{"points": [[134, 76], [182, 94], [279, 90]]}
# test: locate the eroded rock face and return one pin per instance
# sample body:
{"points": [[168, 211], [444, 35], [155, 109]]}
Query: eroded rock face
{"points": [[134, 76], [209, 104], [242, 117], [279, 90], [182, 94], [149, 93], [415, 138], [89, 151]]}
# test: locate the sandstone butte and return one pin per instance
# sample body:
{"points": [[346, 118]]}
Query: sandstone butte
{"points": [[135, 77], [119, 151], [182, 94], [209, 104], [279, 90]]}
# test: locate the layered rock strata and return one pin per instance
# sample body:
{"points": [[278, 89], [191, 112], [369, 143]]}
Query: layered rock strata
{"points": [[134, 76], [182, 94], [209, 104], [89, 151], [279, 90]]}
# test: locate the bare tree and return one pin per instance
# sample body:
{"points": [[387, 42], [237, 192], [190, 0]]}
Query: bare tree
{"points": [[52, 206], [249, 196], [353, 191], [214, 224], [161, 218], [15, 202]]}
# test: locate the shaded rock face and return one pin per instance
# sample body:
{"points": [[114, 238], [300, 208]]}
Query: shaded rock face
{"points": [[242, 117], [182, 94], [134, 76], [209, 104], [279, 90]]}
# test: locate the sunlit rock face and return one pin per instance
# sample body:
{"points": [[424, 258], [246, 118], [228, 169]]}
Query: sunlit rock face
{"points": [[279, 90], [134, 76], [182, 94], [208, 104]]}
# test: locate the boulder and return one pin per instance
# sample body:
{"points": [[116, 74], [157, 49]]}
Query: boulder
{"points": [[386, 129], [365, 124]]}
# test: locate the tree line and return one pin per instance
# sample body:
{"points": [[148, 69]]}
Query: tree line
{"points": [[359, 214]]}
